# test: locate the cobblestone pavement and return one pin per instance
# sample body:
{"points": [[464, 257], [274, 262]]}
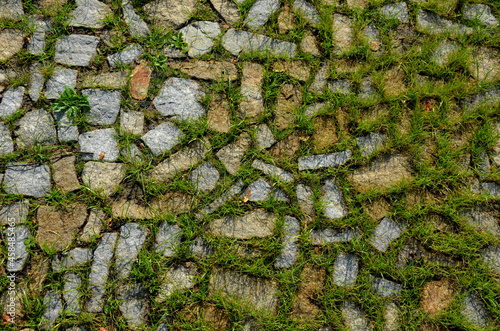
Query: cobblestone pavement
{"points": [[250, 165]]}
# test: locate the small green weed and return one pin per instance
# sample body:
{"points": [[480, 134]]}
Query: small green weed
{"points": [[71, 103]]}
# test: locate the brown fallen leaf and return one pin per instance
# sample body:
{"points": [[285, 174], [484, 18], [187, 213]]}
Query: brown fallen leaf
{"points": [[102, 329], [5, 319], [428, 105], [374, 45], [247, 196]]}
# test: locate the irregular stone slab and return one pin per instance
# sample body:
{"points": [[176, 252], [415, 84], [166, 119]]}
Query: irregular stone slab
{"points": [[345, 270], [36, 43], [57, 228], [257, 223], [76, 257], [205, 177], [27, 179], [232, 154], [104, 106], [99, 272], [386, 232], [327, 236], [264, 137], [290, 243], [11, 40], [286, 20], [72, 282], [307, 11], [431, 23], [342, 87], [64, 174], [132, 237], [479, 12], [482, 220], [315, 109], [367, 90], [6, 144], [180, 161], [485, 64], [382, 173], [443, 53], [372, 36], [111, 80], [200, 248], [95, 224], [398, 11], [66, 129], [491, 257], [483, 99], [134, 304], [237, 41], [11, 101], [386, 288], [490, 188], [136, 26], [104, 177], [319, 82], [93, 143], [76, 50], [391, 317], [219, 70], [163, 206], [36, 82], [139, 82], [199, 37], [310, 45], [304, 307], [333, 200], [16, 237], [260, 12], [260, 294], [343, 33], [168, 239], [412, 251], [36, 127], [289, 100], [371, 143], [475, 311], [261, 190], [273, 171], [128, 55], [53, 308], [228, 10], [89, 14], [163, 138], [173, 53], [170, 13], [11, 10], [219, 114], [305, 199], [324, 160], [354, 318], [437, 296], [132, 122], [234, 190], [177, 279], [17, 211], [58, 81], [179, 98], [252, 78]]}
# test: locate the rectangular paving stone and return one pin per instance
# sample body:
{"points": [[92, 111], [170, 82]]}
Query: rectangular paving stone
{"points": [[327, 236], [324, 160], [237, 41]]}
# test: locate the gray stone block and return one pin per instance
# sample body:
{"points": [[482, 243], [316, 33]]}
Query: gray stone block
{"points": [[27, 179], [163, 138], [76, 50]]}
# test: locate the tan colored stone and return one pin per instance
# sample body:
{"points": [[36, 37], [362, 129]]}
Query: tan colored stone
{"points": [[168, 203], [394, 84], [312, 280], [218, 115], [288, 146], [232, 154], [103, 176], [325, 132], [251, 83], [170, 13], [289, 100], [208, 70], [139, 82], [309, 45], [285, 20], [37, 273], [485, 64], [64, 174], [215, 318], [296, 69], [437, 296], [112, 80], [378, 209], [11, 42]]}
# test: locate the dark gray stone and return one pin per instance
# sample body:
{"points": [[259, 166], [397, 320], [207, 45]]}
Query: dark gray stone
{"points": [[36, 82], [333, 200], [273, 171], [11, 101], [53, 308], [481, 219], [6, 143], [76, 50], [28, 179], [372, 35], [397, 11], [237, 41], [345, 270], [327, 236], [36, 127], [485, 99], [168, 239], [491, 257], [324, 160], [307, 11], [163, 138], [255, 224], [134, 304], [474, 310], [93, 143], [290, 243], [234, 190], [18, 211], [16, 236], [127, 56], [261, 190], [132, 237], [72, 283], [173, 53], [264, 137], [367, 90], [340, 87], [76, 257], [200, 248], [354, 318], [89, 14], [66, 129], [57, 82], [444, 51], [305, 199], [11, 10], [386, 288], [260, 12], [371, 143], [199, 37], [479, 12], [136, 26], [431, 23], [177, 279], [205, 177], [490, 188], [386, 232], [104, 106]]}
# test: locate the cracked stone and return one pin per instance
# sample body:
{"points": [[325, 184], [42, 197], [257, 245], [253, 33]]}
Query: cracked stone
{"points": [[261, 190], [36, 82], [64, 174], [290, 243], [354, 318], [132, 237], [163, 138], [289, 100], [168, 239], [264, 137], [105, 177], [205, 177], [324, 160], [251, 83], [345, 270], [260, 13], [104, 106], [230, 193], [199, 37], [273, 171], [36, 127], [386, 288], [27, 179], [343, 87], [479, 12], [237, 41], [76, 257], [485, 64], [19, 234], [474, 310], [58, 81], [6, 143], [128, 55], [218, 114], [219, 70], [177, 279], [437, 296], [398, 11], [491, 257], [255, 224], [139, 82], [307, 11], [94, 143], [171, 13], [320, 80], [371, 143], [11, 10], [53, 308], [132, 122], [134, 304], [12, 41], [386, 232], [232, 154], [333, 200], [327, 236], [95, 224], [17, 211], [136, 26], [71, 295], [36, 43], [482, 220], [11, 101], [89, 14], [76, 50], [228, 10], [343, 36], [431, 23]]}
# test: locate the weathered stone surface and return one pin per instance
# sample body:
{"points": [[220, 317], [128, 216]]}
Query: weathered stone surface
{"points": [[412, 251], [99, 272], [273, 171], [372, 36], [132, 122], [36, 127], [228, 10], [177, 279], [94, 143], [226, 196], [397, 11], [307, 11], [11, 101], [290, 242], [17, 211], [483, 99], [343, 35], [199, 37], [218, 114], [64, 174], [209, 70], [325, 132], [485, 64], [72, 282], [371, 143], [386, 288], [340, 87], [252, 104], [394, 83], [95, 224], [66, 129], [474, 310], [132, 237], [491, 257], [11, 10], [168, 239], [237, 41], [264, 137], [36, 43], [333, 200], [312, 282], [481, 219], [89, 14], [261, 190], [437, 296], [260, 294], [431, 23], [170, 13], [260, 12], [367, 90], [173, 53], [232, 154], [205, 177], [200, 248], [354, 318], [127, 56], [16, 236], [490, 188], [28, 179], [386, 232], [327, 236], [391, 317], [103, 177], [36, 82], [58, 81], [163, 138], [180, 161], [53, 308], [479, 12], [320, 80], [57, 228], [134, 304], [6, 144], [76, 50], [76, 257], [136, 26], [289, 100], [345, 270], [382, 173], [305, 199], [255, 224], [286, 20], [324, 160], [444, 52], [179, 98], [12, 42], [104, 106], [310, 45]]}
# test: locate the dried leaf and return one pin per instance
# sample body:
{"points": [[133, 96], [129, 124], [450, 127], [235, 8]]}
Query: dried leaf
{"points": [[5, 319], [428, 105], [102, 329], [247, 196], [101, 156]]}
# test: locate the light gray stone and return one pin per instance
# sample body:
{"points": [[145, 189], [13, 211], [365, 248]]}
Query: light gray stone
{"points": [[333, 201], [386, 232], [11, 10], [446, 48], [261, 190], [173, 53], [17, 211], [36, 127], [132, 237], [264, 137], [237, 41], [36, 43], [345, 270], [177, 279], [255, 224], [136, 26], [94, 226], [234, 190], [76, 257], [485, 64], [163, 138], [134, 304], [474, 311], [179, 98], [431, 23], [315, 109], [483, 99], [66, 129], [397, 11], [371, 143], [391, 317], [367, 90], [340, 87], [57, 82], [307, 11], [127, 56], [290, 243], [93, 143], [228, 10], [171, 13], [324, 160], [260, 12], [6, 143], [491, 257], [89, 14], [205, 177], [27, 179], [53, 307], [16, 236], [481, 219], [386, 288], [71, 295], [199, 37], [103, 177], [343, 35], [132, 122], [273, 171], [354, 318], [320, 80], [99, 272], [232, 154], [305, 199], [11, 101], [131, 153], [168, 239], [104, 106], [200, 248], [36, 82], [327, 236], [479, 12], [76, 50]]}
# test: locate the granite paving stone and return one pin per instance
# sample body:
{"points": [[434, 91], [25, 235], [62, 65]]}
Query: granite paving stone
{"points": [[99, 144], [386, 232], [290, 242], [257, 223], [168, 239], [17, 235], [386, 288], [103, 177], [11, 101], [27, 179], [136, 25], [205, 177], [95, 224], [307, 11], [473, 309], [89, 14], [238, 41], [17, 211], [71, 295], [264, 137], [37, 81], [491, 257], [60, 78], [327, 236], [199, 37], [371, 143], [273, 171], [132, 122], [170, 13], [134, 304], [11, 10], [6, 143], [12, 42], [132, 237], [434, 24], [163, 138], [324, 160], [260, 12], [230, 193], [480, 12], [398, 11], [76, 257], [128, 55], [53, 306], [36, 127], [333, 201], [345, 270], [261, 190], [227, 9], [76, 50], [104, 106], [177, 279]]}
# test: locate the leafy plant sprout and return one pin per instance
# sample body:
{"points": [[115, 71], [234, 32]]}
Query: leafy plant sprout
{"points": [[71, 103]]}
